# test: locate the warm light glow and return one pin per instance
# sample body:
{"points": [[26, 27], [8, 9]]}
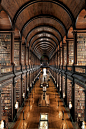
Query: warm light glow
{"points": [[30, 85], [43, 125], [23, 95], [44, 117], [60, 114], [16, 105], [70, 105], [60, 88], [63, 95], [47, 85], [27, 88], [44, 88], [72, 61], [30, 107], [83, 125], [44, 71], [28, 114], [6, 108], [2, 124]]}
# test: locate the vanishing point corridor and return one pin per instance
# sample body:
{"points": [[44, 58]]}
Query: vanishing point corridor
{"points": [[32, 110]]}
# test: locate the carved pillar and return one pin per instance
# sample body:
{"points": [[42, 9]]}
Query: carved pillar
{"points": [[0, 104], [75, 47], [12, 48]]}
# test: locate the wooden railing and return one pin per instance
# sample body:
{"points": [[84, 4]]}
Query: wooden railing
{"points": [[73, 69]]}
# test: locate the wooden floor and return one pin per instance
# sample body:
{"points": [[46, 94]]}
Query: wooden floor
{"points": [[32, 112]]}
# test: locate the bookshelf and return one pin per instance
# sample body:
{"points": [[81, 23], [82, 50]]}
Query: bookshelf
{"points": [[69, 91], [5, 49], [81, 48], [79, 102], [16, 53], [6, 101], [71, 52], [23, 55]]}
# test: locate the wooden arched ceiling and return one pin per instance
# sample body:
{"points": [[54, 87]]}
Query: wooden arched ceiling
{"points": [[52, 18], [48, 35], [49, 17], [46, 45], [48, 29], [44, 51], [5, 23], [47, 49], [70, 32], [81, 20], [44, 21], [13, 6], [43, 39]]}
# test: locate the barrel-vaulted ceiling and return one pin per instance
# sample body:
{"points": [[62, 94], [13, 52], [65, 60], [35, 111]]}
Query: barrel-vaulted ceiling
{"points": [[43, 23]]}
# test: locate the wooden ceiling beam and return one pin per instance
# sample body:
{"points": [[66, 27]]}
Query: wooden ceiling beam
{"points": [[61, 4], [47, 42], [37, 27], [44, 16], [39, 47], [43, 33], [44, 39], [43, 44]]}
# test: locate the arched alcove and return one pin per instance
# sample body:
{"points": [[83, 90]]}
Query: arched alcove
{"points": [[5, 21], [81, 20]]}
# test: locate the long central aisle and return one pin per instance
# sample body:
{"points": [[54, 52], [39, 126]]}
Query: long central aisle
{"points": [[32, 110]]}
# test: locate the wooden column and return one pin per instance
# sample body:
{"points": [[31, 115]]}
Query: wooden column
{"points": [[65, 99], [73, 101], [61, 87], [29, 66], [59, 57], [25, 55], [85, 107], [75, 47], [28, 55], [12, 48], [0, 105], [20, 52], [62, 55], [67, 52], [13, 99]]}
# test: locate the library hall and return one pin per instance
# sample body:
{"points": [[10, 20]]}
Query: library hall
{"points": [[42, 64]]}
